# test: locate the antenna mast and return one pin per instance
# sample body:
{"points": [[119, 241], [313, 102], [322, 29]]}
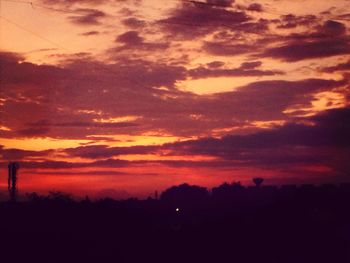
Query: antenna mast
{"points": [[12, 180]]}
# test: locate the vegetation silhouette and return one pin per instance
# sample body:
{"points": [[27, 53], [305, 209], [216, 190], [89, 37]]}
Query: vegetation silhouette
{"points": [[183, 193], [187, 223], [258, 181]]}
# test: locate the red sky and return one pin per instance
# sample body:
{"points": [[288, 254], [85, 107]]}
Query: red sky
{"points": [[125, 97]]}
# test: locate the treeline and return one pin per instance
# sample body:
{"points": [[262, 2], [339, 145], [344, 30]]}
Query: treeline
{"points": [[232, 223]]}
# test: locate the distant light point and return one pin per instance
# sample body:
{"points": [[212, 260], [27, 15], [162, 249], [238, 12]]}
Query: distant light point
{"points": [[177, 209]]}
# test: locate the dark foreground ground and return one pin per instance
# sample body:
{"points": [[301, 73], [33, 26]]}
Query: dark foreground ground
{"points": [[233, 224]]}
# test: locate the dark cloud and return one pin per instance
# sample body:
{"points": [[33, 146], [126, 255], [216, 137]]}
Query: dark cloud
{"points": [[300, 50], [255, 7], [327, 40], [292, 21], [133, 22], [35, 93], [116, 163], [42, 124], [132, 40], [103, 151], [9, 58], [336, 124], [195, 19], [331, 29], [223, 48], [45, 128], [68, 3], [68, 173], [30, 73], [255, 38], [325, 142], [32, 132], [90, 33], [69, 165], [220, 3], [18, 154], [79, 95], [73, 2], [320, 140], [330, 129], [76, 95], [88, 16], [215, 64], [345, 17], [251, 65], [270, 99], [248, 69], [212, 3], [262, 100], [340, 67]]}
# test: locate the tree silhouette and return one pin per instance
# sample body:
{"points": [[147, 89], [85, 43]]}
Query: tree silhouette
{"points": [[185, 193], [35, 197], [59, 197], [258, 181]]}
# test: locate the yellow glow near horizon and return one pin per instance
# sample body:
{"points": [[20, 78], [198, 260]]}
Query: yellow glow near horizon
{"points": [[139, 140], [117, 119], [157, 157], [40, 144]]}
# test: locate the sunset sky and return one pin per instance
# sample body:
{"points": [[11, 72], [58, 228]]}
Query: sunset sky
{"points": [[124, 97]]}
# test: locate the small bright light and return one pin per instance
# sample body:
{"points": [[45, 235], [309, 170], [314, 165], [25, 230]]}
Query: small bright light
{"points": [[177, 209]]}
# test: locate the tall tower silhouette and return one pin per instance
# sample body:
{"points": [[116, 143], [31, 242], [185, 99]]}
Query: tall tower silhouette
{"points": [[12, 180]]}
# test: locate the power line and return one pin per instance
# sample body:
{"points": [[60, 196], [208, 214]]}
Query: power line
{"points": [[101, 66], [164, 21], [44, 7], [193, 2], [74, 12], [33, 33], [159, 21], [105, 68], [198, 3]]}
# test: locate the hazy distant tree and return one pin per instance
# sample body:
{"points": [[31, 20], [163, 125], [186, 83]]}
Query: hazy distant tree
{"points": [[86, 200], [258, 181], [58, 196], [34, 197], [237, 185]]}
